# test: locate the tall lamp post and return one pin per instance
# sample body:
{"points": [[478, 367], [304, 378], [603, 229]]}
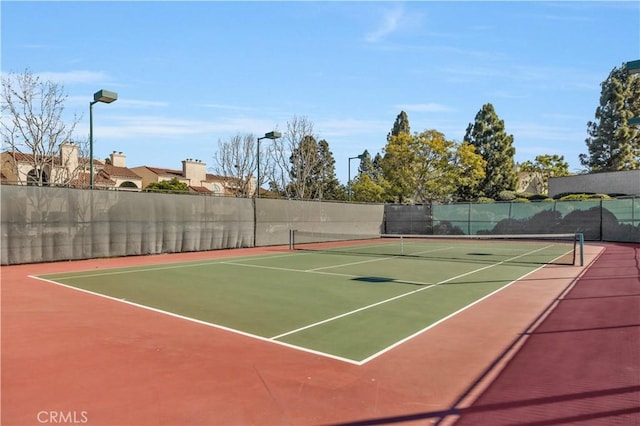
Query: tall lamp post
{"points": [[106, 97], [273, 136], [361, 156], [633, 67]]}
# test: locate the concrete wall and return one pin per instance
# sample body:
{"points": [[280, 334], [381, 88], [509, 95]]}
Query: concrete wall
{"points": [[625, 182]]}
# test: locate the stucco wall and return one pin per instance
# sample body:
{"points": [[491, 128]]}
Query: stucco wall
{"points": [[626, 182]]}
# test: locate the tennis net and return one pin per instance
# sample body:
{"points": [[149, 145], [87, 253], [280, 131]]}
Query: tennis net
{"points": [[560, 249]]}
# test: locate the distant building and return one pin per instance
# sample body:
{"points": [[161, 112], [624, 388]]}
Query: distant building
{"points": [[67, 168], [194, 174], [613, 183], [118, 173]]}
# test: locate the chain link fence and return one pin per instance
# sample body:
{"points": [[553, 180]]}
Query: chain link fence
{"points": [[42, 224]]}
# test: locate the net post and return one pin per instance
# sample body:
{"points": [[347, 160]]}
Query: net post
{"points": [[580, 238], [402, 245], [291, 242]]}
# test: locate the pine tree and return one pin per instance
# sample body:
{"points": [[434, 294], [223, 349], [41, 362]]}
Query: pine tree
{"points": [[400, 126], [487, 134], [612, 143], [313, 172], [398, 166], [304, 169], [366, 164], [369, 185], [377, 173], [328, 187]]}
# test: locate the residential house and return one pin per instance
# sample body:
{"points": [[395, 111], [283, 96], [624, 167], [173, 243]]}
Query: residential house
{"points": [[116, 171], [67, 168], [194, 174]]}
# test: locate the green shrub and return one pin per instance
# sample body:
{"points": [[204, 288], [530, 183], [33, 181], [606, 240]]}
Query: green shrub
{"points": [[485, 200], [507, 195], [582, 197]]}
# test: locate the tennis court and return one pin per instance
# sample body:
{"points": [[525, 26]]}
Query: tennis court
{"points": [[68, 352], [350, 301]]}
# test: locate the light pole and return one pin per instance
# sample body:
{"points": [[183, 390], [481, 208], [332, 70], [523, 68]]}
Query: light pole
{"points": [[106, 97], [633, 67], [361, 156], [273, 136]]}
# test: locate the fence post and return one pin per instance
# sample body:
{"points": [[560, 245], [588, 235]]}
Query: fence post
{"points": [[601, 219], [255, 221]]}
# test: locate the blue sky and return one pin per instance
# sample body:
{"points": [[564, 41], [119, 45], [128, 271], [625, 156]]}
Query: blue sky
{"points": [[189, 74]]}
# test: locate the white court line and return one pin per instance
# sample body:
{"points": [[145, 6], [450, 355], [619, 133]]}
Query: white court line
{"points": [[313, 271], [197, 321], [151, 268], [441, 320], [315, 324], [376, 260], [278, 268], [292, 346]]}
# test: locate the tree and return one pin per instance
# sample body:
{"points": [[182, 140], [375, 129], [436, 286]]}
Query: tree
{"points": [[398, 167], [366, 164], [470, 169], [443, 166], [400, 126], [369, 184], [612, 144], [33, 126], [173, 185], [313, 172], [286, 153], [542, 168], [305, 167], [329, 187], [376, 171], [487, 134], [427, 167], [365, 189], [236, 161]]}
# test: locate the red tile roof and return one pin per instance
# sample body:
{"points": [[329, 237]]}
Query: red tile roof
{"points": [[200, 189], [99, 179], [165, 172], [21, 157], [121, 172]]}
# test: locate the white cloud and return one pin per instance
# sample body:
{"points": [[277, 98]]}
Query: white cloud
{"points": [[390, 24], [76, 76], [151, 126]]}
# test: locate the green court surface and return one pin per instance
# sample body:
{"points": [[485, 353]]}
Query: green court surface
{"points": [[349, 303]]}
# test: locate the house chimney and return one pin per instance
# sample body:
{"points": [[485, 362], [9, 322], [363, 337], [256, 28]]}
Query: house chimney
{"points": [[195, 171], [118, 159], [69, 157]]}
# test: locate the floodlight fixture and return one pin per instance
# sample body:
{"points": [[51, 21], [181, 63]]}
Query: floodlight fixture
{"points": [[361, 156], [104, 96], [633, 66], [273, 135]]}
